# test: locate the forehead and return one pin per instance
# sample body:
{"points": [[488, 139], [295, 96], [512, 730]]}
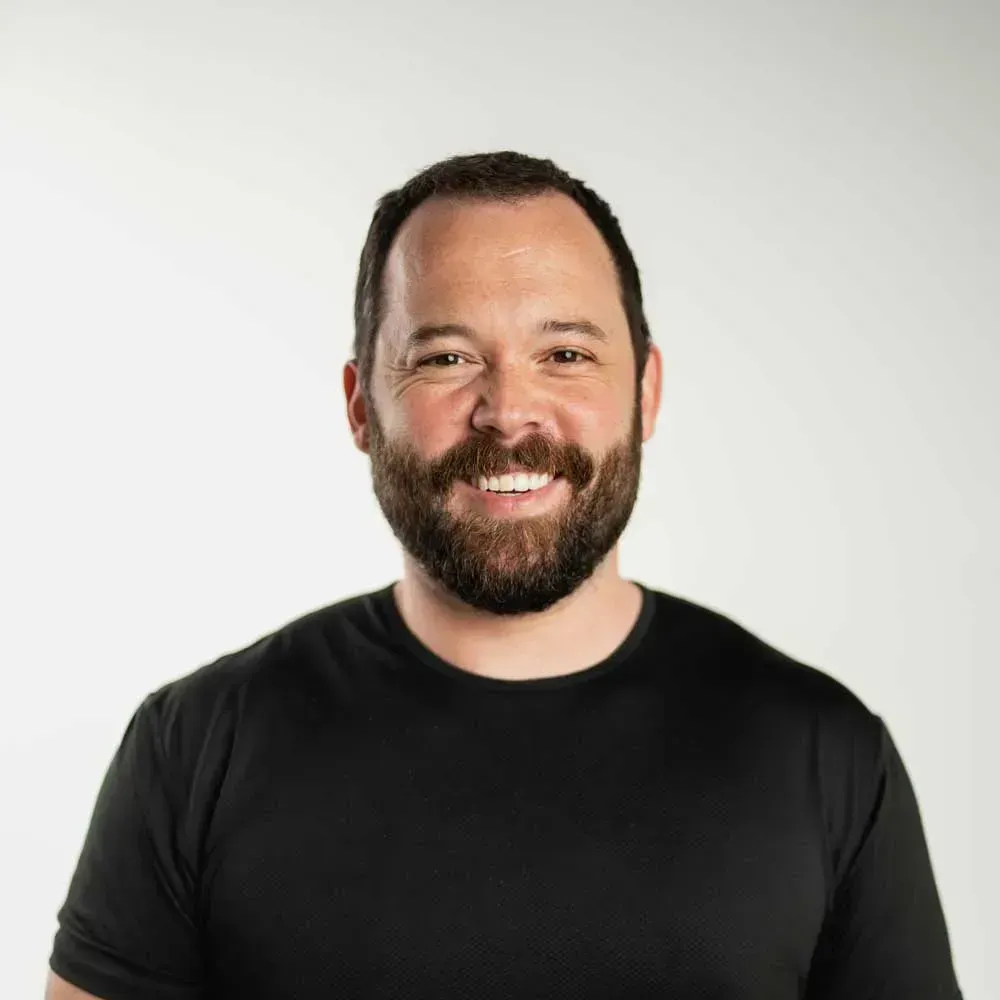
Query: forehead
{"points": [[462, 254]]}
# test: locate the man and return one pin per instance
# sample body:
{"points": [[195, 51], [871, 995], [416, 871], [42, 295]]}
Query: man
{"points": [[513, 773]]}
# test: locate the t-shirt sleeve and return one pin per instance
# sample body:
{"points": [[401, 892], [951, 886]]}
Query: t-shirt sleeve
{"points": [[128, 928], [884, 937]]}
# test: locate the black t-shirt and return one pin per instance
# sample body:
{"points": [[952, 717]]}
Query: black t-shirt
{"points": [[336, 812]]}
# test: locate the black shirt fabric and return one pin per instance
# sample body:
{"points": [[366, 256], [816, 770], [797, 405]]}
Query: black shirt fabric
{"points": [[336, 812]]}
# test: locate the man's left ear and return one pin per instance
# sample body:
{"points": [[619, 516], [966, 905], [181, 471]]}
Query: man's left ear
{"points": [[652, 378]]}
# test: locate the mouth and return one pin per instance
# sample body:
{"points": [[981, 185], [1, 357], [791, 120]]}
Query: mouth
{"points": [[511, 495], [514, 483]]}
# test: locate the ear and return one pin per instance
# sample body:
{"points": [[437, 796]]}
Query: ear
{"points": [[357, 410], [652, 380]]}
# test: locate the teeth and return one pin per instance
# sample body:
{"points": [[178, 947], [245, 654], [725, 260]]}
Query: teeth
{"points": [[522, 482]]}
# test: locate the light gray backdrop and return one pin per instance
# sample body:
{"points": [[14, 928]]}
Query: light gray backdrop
{"points": [[811, 192]]}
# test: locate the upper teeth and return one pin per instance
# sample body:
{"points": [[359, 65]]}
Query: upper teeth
{"points": [[520, 483]]}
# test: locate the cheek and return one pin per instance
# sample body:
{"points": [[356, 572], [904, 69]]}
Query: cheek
{"points": [[430, 420], [597, 422]]}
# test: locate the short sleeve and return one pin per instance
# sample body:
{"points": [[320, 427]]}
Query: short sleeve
{"points": [[127, 929], [884, 937]]}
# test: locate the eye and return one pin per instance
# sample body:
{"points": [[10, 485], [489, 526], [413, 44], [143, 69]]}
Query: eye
{"points": [[561, 358], [442, 361]]}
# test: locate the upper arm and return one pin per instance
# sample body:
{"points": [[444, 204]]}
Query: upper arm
{"points": [[56, 988], [128, 928], [884, 935]]}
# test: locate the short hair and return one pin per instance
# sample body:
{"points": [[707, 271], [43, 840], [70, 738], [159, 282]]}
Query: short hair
{"points": [[499, 176]]}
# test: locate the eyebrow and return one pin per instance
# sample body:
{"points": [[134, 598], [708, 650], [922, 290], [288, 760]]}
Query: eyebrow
{"points": [[430, 331]]}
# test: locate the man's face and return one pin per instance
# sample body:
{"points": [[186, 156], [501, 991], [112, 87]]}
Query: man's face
{"points": [[504, 357]]}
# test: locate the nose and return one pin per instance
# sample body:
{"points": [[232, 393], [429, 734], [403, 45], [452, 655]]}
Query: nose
{"points": [[508, 406]]}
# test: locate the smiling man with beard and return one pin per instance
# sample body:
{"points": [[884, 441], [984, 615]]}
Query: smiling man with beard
{"points": [[511, 773]]}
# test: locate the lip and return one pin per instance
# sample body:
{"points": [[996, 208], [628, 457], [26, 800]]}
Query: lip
{"points": [[532, 501]]}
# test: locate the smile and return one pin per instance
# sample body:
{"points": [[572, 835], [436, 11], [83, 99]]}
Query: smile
{"points": [[547, 493], [518, 482]]}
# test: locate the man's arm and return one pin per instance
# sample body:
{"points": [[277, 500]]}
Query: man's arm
{"points": [[128, 927], [885, 935], [56, 988]]}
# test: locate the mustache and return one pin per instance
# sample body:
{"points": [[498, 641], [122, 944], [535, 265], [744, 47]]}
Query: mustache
{"points": [[482, 456]]}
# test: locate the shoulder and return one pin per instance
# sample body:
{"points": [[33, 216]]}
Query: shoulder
{"points": [[778, 712], [744, 673], [207, 704]]}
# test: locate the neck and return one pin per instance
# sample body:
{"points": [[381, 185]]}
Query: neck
{"points": [[577, 632]]}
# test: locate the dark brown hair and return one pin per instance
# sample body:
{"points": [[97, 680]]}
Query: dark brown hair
{"points": [[498, 176]]}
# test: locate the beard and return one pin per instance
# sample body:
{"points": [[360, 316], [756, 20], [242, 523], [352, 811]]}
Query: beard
{"points": [[519, 563]]}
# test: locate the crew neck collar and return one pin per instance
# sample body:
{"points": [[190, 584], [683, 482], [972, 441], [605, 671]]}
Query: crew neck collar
{"points": [[392, 617]]}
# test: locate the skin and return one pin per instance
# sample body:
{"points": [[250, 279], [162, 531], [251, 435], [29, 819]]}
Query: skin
{"points": [[501, 270], [56, 988]]}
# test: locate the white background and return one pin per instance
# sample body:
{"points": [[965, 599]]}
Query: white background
{"points": [[811, 193]]}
